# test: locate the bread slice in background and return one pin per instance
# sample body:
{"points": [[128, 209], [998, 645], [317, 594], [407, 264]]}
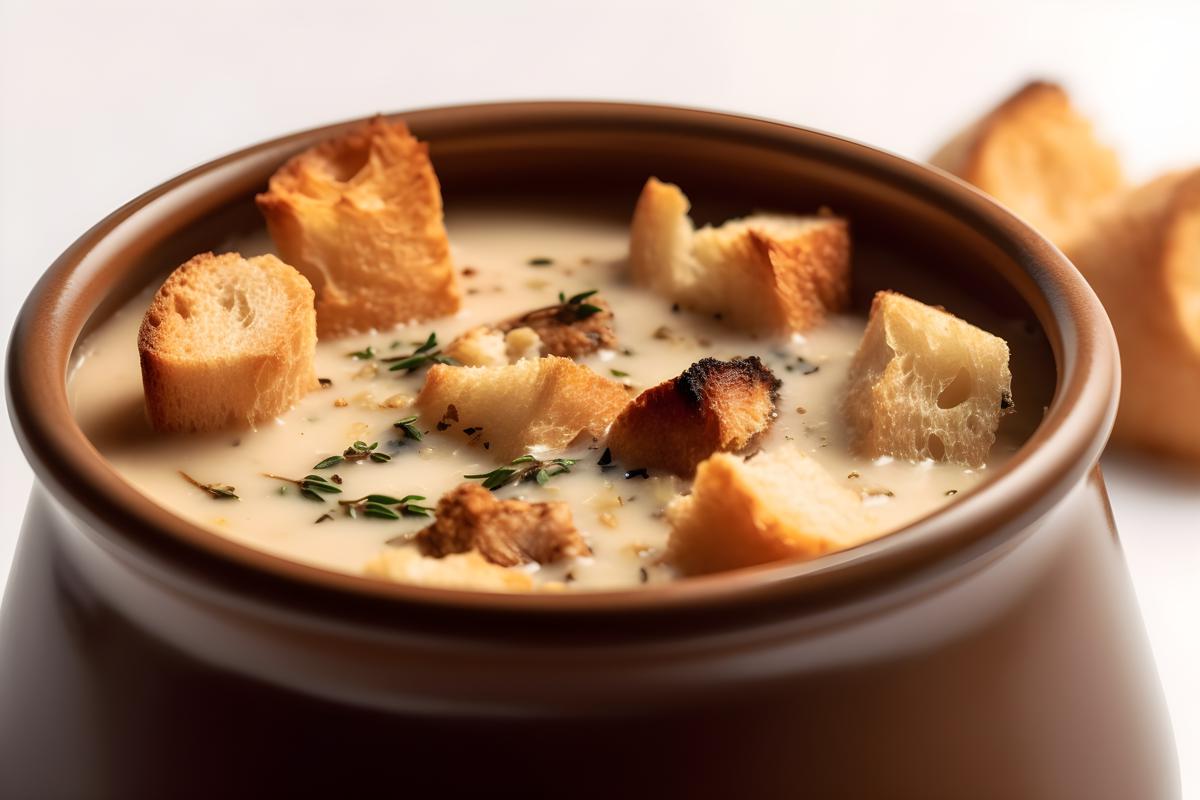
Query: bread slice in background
{"points": [[535, 405], [227, 342], [776, 505], [926, 384], [1039, 156], [469, 571], [769, 273], [713, 406], [1141, 253], [361, 216]]}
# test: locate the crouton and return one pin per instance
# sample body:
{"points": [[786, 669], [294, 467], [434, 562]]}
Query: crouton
{"points": [[484, 346], [461, 571], [926, 384], [531, 406], [774, 506], [765, 273], [713, 406], [505, 532], [1039, 156], [361, 216], [1141, 253], [227, 342]]}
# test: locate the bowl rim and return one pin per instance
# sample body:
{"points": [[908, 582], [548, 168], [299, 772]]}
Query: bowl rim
{"points": [[1065, 446]]}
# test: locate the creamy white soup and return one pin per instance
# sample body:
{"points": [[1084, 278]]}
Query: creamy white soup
{"points": [[509, 262]]}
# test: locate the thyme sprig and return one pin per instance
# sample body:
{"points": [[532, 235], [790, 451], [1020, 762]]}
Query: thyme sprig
{"points": [[311, 486], [383, 506], [409, 427], [566, 311], [359, 451], [426, 354], [525, 468], [217, 491], [366, 354]]}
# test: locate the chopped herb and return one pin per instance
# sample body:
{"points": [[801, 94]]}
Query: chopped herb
{"points": [[428, 353], [472, 430], [641, 472], [540, 261], [951, 492], [853, 475], [336, 478], [328, 515], [358, 451], [643, 575], [311, 486], [617, 373], [366, 353], [525, 468], [325, 382], [806, 367], [383, 506], [409, 426], [217, 491]]}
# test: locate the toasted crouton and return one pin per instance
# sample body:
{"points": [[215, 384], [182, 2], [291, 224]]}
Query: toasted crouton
{"points": [[227, 341], [361, 216], [505, 532], [462, 571], [768, 273], [926, 384], [713, 406], [776, 505], [1141, 254], [1039, 156], [531, 406], [484, 346]]}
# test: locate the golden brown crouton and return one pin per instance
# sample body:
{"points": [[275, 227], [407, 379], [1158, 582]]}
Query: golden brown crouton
{"points": [[926, 384], [531, 406], [1142, 256], [227, 341], [468, 571], [776, 505], [713, 406], [770, 273], [361, 216], [1039, 156], [505, 532]]}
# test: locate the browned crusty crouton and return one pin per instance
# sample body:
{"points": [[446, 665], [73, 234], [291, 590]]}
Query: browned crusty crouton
{"points": [[468, 571], [361, 216], [1039, 156], [532, 406], [713, 406], [1141, 253], [926, 384], [768, 272], [227, 341], [776, 505], [505, 532]]}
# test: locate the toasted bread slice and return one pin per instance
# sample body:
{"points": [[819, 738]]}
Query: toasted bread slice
{"points": [[766, 273], [1039, 156], [505, 532], [713, 406], [531, 406], [468, 570], [227, 342], [485, 346], [926, 384], [361, 216], [774, 506], [1141, 253]]}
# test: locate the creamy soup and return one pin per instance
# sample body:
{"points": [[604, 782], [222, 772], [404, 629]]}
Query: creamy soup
{"points": [[509, 262]]}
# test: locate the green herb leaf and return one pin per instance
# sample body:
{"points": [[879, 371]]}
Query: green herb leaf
{"points": [[365, 354], [326, 463], [217, 491], [617, 373], [408, 425], [524, 468]]}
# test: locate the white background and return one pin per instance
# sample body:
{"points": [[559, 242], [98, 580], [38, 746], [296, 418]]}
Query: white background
{"points": [[102, 100]]}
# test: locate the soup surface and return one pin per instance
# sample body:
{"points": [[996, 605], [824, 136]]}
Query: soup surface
{"points": [[510, 262]]}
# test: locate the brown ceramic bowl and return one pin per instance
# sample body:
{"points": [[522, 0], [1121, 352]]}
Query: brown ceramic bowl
{"points": [[992, 649]]}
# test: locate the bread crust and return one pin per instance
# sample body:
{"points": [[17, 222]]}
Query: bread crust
{"points": [[712, 406], [765, 273], [505, 532], [531, 406], [227, 342], [469, 571], [361, 216], [1039, 156], [774, 506], [926, 384], [1141, 253]]}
